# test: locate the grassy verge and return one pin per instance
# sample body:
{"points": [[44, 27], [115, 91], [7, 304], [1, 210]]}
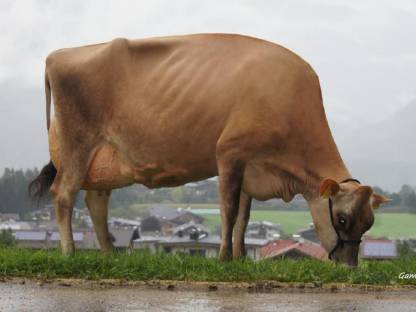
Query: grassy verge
{"points": [[142, 266]]}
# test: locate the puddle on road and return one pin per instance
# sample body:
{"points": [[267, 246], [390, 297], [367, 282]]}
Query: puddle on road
{"points": [[32, 297]]}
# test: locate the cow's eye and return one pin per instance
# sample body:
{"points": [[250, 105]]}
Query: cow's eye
{"points": [[342, 220]]}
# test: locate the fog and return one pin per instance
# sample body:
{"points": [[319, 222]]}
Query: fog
{"points": [[363, 51]]}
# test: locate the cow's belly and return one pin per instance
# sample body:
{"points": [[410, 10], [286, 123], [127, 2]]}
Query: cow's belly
{"points": [[109, 169]]}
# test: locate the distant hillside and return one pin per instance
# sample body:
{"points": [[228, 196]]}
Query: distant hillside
{"points": [[384, 153]]}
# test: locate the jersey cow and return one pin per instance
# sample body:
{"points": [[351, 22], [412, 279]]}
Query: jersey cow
{"points": [[166, 111]]}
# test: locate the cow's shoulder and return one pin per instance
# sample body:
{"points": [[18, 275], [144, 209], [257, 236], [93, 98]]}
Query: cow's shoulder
{"points": [[81, 58], [72, 68]]}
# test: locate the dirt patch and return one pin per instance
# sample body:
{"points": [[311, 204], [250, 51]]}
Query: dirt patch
{"points": [[260, 286]]}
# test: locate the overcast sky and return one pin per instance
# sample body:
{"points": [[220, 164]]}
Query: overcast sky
{"points": [[363, 51]]}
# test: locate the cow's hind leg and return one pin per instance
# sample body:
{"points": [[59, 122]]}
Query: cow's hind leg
{"points": [[239, 250], [69, 179], [65, 189], [230, 179], [97, 202]]}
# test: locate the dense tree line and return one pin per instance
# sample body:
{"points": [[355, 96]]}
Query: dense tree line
{"points": [[13, 191], [14, 197]]}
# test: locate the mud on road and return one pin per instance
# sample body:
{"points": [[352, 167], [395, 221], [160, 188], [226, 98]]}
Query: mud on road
{"points": [[64, 295]]}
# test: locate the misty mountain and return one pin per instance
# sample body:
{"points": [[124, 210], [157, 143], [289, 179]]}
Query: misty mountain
{"points": [[384, 153]]}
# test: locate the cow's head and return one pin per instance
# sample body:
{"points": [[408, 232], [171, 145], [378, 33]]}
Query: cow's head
{"points": [[352, 215]]}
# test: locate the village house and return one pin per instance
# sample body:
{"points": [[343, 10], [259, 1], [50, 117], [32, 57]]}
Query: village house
{"points": [[30, 239], [296, 248], [83, 240], [175, 215], [124, 223], [164, 220], [148, 243], [310, 234], [156, 226], [40, 239], [263, 230], [15, 225], [190, 227], [9, 217], [123, 237], [195, 242], [378, 249], [46, 213]]}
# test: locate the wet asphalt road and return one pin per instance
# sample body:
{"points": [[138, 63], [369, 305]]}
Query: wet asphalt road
{"points": [[32, 297]]}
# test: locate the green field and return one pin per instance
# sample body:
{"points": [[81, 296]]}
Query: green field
{"points": [[391, 225], [142, 266]]}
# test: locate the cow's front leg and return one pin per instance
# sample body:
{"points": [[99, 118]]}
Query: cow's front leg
{"points": [[97, 203], [230, 179]]}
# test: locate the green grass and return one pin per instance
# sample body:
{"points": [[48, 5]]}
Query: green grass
{"points": [[142, 266], [392, 225]]}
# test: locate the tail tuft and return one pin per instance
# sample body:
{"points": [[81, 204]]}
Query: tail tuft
{"points": [[40, 186]]}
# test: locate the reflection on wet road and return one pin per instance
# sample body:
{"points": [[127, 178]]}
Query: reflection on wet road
{"points": [[32, 297]]}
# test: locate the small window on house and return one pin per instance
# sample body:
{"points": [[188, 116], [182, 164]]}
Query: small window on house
{"points": [[167, 249]]}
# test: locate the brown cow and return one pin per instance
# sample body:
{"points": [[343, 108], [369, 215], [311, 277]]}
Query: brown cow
{"points": [[167, 111]]}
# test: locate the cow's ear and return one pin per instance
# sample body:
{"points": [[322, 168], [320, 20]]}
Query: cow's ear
{"points": [[328, 188], [377, 200]]}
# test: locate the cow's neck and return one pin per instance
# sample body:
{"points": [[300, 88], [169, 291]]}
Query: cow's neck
{"points": [[303, 166], [331, 168], [290, 179]]}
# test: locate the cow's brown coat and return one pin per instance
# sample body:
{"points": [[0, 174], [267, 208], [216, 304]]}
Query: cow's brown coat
{"points": [[167, 111]]}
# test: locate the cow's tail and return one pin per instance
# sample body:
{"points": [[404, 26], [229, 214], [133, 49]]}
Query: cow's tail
{"points": [[40, 186], [48, 101]]}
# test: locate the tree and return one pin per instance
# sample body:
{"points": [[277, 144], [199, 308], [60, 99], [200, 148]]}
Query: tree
{"points": [[410, 202], [178, 194], [13, 191], [408, 197]]}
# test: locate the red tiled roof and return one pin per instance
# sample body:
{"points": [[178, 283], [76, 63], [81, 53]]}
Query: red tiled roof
{"points": [[275, 245], [278, 248]]}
